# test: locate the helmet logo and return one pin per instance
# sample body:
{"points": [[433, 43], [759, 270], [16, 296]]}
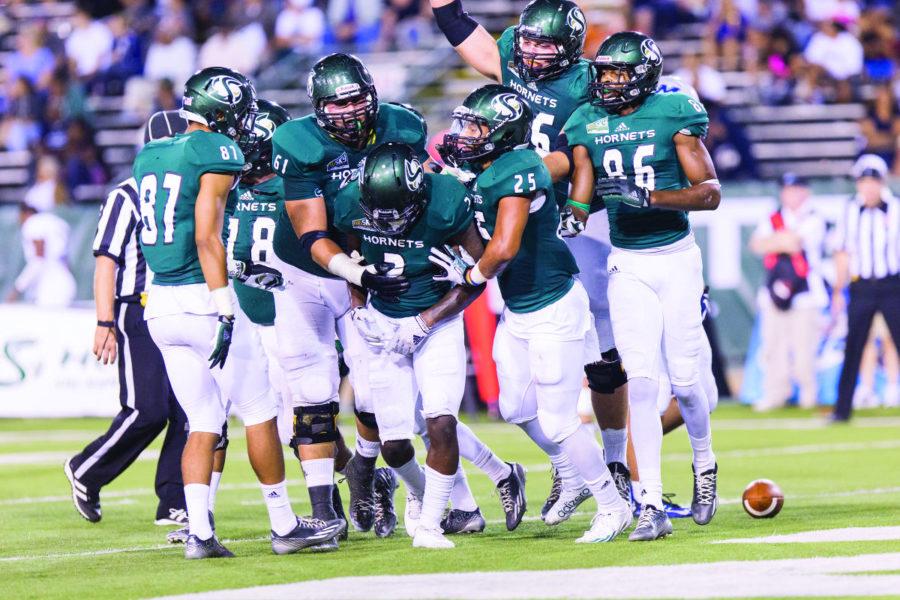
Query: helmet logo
{"points": [[575, 20], [651, 52], [507, 106], [225, 89], [263, 128], [412, 169]]}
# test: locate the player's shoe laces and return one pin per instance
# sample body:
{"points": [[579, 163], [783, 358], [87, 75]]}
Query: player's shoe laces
{"points": [[463, 521], [177, 516], [338, 505], [86, 501], [512, 496], [706, 499], [195, 548], [606, 526], [412, 513], [555, 491], [431, 538], [308, 532], [622, 478], [360, 479], [652, 525], [385, 517], [568, 502], [180, 536]]}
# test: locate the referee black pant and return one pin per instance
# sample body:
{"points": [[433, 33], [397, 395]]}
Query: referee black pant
{"points": [[148, 404], [867, 297]]}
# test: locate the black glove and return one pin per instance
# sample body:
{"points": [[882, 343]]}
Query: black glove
{"points": [[379, 283], [222, 341], [255, 275], [617, 189]]}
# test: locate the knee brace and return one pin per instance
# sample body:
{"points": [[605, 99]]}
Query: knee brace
{"points": [[607, 375], [315, 424], [367, 419]]}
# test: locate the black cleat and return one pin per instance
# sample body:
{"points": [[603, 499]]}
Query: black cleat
{"points": [[86, 501], [385, 517], [339, 509], [706, 499], [463, 521], [555, 491], [307, 533], [622, 478], [360, 480], [512, 496], [652, 525], [195, 548]]}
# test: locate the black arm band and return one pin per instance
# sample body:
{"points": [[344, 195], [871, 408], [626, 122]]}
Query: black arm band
{"points": [[456, 23], [310, 237], [561, 144]]}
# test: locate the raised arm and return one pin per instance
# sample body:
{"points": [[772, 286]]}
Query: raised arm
{"points": [[470, 40]]}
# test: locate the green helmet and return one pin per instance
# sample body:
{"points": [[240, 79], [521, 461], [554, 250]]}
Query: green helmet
{"points": [[223, 100], [343, 79], [558, 22], [392, 188], [259, 160], [634, 54], [492, 120]]}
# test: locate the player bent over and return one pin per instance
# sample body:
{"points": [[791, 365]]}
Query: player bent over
{"points": [[183, 184]]}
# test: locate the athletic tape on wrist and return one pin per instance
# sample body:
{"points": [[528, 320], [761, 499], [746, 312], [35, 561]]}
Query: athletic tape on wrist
{"points": [[222, 299]]}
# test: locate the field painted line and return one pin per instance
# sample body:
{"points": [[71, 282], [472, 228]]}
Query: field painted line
{"points": [[810, 577], [844, 534], [799, 424], [47, 435]]}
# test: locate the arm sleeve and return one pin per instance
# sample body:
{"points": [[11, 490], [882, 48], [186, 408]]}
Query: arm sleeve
{"points": [[454, 22], [116, 225], [217, 154], [462, 213], [302, 180], [689, 116]]}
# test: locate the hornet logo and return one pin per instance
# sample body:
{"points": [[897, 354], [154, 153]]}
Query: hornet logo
{"points": [[651, 52], [575, 20], [263, 127], [414, 174], [507, 106], [225, 89]]}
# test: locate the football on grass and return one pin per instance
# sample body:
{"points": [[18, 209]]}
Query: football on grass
{"points": [[763, 499]]}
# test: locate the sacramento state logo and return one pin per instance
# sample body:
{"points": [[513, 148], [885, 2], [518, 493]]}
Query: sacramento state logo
{"points": [[651, 52], [412, 169], [575, 20], [507, 106], [263, 128], [225, 89]]}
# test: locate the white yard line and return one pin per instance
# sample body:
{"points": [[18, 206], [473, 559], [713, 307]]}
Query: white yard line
{"points": [[846, 534]]}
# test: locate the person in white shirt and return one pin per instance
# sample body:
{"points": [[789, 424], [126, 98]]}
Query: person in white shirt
{"points": [[171, 56], [791, 318], [300, 27], [45, 280], [89, 45], [834, 55], [241, 50]]}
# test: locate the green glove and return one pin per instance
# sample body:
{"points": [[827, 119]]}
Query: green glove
{"points": [[616, 189], [222, 341]]}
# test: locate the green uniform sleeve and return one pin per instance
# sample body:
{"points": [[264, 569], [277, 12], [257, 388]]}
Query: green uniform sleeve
{"points": [[688, 116], [297, 157], [409, 127], [345, 207], [517, 173], [506, 45], [454, 198], [574, 129], [578, 87], [215, 153]]}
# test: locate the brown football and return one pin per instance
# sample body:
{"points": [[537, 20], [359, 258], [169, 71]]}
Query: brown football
{"points": [[763, 499]]}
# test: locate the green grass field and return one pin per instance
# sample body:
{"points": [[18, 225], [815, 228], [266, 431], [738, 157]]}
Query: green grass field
{"points": [[832, 476]]}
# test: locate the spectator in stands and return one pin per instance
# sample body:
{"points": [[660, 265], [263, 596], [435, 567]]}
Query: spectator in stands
{"points": [[300, 27], [65, 100], [32, 59], [172, 55], [167, 98], [708, 82], [81, 157], [781, 61], [141, 18], [728, 31], [834, 62], [405, 24], [354, 22], [792, 241], [126, 59], [229, 48], [88, 46], [19, 126], [48, 190], [881, 126]]}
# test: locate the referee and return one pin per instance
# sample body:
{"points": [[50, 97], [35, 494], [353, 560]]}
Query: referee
{"points": [[868, 257], [148, 404]]}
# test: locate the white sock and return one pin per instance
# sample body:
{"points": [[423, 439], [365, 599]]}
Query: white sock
{"points": [[695, 411], [587, 456], [646, 433], [281, 515], [437, 494], [571, 478], [461, 496], [615, 443], [413, 476], [533, 430], [366, 448], [196, 498], [214, 480], [318, 471]]}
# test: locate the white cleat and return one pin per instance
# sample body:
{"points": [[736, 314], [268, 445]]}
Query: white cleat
{"points": [[431, 538], [606, 526], [411, 514], [568, 502]]}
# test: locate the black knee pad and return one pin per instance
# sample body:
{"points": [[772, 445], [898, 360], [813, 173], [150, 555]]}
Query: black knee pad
{"points": [[397, 453], [223, 439], [607, 375], [367, 419], [315, 424]]}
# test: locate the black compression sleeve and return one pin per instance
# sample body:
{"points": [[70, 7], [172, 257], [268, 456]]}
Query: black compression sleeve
{"points": [[456, 23]]}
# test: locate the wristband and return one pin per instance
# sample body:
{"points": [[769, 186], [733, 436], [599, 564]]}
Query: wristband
{"points": [[474, 276], [345, 267], [581, 205], [222, 299], [109, 324], [713, 181]]}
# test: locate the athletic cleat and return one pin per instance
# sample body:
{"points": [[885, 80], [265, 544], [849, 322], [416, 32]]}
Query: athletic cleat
{"points": [[512, 496], [706, 500], [195, 548], [385, 517], [622, 478], [87, 502], [463, 521], [307, 533], [179, 536], [652, 525], [412, 513], [362, 496], [606, 526], [338, 505], [566, 505], [431, 538], [555, 491], [674, 510], [177, 516], [329, 546]]}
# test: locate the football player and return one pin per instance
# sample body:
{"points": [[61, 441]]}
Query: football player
{"points": [[183, 185], [651, 167], [546, 317], [540, 58]]}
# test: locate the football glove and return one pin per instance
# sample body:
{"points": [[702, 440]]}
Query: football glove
{"points": [[387, 287], [221, 343], [569, 225], [373, 329], [255, 275], [408, 336], [617, 189], [455, 264]]}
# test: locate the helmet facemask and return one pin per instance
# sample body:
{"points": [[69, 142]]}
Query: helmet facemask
{"points": [[538, 65], [619, 91], [462, 145], [352, 126], [391, 221]]}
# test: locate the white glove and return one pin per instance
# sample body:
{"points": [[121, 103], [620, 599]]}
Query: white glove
{"points": [[454, 263], [374, 330], [569, 225], [461, 175], [409, 335]]}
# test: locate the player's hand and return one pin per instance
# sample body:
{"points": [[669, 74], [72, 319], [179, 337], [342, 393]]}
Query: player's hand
{"points": [[221, 343], [461, 175], [387, 287], [455, 264], [569, 225], [374, 330], [105, 347], [408, 336], [618, 189], [255, 275]]}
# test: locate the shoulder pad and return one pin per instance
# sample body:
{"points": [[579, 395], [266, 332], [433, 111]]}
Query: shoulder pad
{"points": [[300, 140]]}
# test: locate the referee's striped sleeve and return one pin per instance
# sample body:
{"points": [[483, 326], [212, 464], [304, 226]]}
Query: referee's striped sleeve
{"points": [[116, 221]]}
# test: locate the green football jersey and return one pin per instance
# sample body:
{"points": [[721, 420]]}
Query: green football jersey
{"points": [[447, 214], [542, 271], [313, 164], [168, 173], [250, 236], [640, 146]]}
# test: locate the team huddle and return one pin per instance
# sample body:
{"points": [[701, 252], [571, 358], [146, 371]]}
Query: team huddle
{"points": [[333, 244]]}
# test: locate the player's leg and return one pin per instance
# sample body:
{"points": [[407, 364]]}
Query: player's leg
{"points": [[168, 484]]}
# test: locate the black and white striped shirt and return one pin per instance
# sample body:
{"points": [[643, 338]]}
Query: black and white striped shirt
{"points": [[117, 238], [871, 237]]}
